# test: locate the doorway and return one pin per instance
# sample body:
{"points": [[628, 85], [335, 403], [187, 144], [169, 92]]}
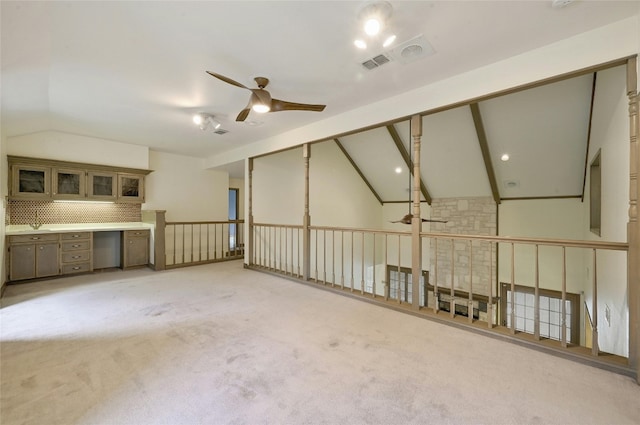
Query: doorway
{"points": [[234, 204]]}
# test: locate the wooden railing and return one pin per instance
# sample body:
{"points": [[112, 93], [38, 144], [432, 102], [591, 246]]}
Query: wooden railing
{"points": [[198, 242], [366, 262]]}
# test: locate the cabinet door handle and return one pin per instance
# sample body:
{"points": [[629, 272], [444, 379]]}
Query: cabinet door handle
{"points": [[76, 256], [130, 241], [41, 248], [76, 268], [35, 238], [75, 245], [75, 236]]}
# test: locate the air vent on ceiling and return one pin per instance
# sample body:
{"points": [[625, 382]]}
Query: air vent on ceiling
{"points": [[376, 62], [411, 50], [221, 131]]}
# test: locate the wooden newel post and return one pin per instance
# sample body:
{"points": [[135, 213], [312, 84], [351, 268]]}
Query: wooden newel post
{"points": [[306, 220], [157, 218], [249, 236], [633, 227], [416, 222]]}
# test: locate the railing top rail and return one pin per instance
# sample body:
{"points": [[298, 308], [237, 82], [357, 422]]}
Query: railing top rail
{"points": [[205, 222], [288, 226], [569, 243]]}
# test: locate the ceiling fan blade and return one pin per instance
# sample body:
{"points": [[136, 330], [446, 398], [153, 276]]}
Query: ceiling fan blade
{"points": [[281, 105], [227, 80], [243, 114]]}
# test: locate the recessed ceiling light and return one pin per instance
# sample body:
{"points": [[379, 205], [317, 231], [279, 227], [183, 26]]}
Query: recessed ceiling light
{"points": [[398, 170], [360, 44], [505, 157], [372, 26]]}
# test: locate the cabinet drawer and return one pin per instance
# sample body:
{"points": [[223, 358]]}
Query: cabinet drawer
{"points": [[75, 236], [76, 268], [137, 233], [40, 237], [75, 246], [75, 257]]}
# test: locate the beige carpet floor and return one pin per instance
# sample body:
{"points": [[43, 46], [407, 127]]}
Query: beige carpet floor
{"points": [[217, 344]]}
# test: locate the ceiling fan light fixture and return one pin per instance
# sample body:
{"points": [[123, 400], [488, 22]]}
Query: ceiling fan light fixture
{"points": [[389, 40], [260, 108]]}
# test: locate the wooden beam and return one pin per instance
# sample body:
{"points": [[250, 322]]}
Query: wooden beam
{"points": [[355, 167], [484, 147], [405, 155], [586, 155]]}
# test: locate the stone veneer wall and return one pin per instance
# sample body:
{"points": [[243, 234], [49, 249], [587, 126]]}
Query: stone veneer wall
{"points": [[24, 212], [469, 216]]}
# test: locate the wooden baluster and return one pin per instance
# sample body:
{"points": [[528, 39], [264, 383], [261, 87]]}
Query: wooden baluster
{"points": [[324, 256], [513, 290], [362, 269], [470, 308], [398, 295], [595, 350], [342, 259], [490, 305], [207, 241], [373, 264], [352, 278], [183, 232], [436, 296], [333, 258], [563, 319], [452, 302], [536, 301], [174, 227]]}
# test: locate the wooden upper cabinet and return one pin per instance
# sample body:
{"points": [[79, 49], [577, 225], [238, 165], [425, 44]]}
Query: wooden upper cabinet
{"points": [[30, 181], [45, 179], [131, 188], [69, 183], [102, 185]]}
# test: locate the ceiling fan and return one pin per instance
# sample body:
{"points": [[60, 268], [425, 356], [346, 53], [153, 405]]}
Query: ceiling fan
{"points": [[261, 101]]}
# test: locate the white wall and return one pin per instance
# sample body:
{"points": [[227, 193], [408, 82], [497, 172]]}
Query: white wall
{"points": [[610, 136], [339, 197], [278, 188], [181, 186], [238, 184], [74, 148], [542, 218]]}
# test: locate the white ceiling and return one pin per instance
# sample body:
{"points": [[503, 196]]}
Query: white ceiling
{"points": [[134, 71]]}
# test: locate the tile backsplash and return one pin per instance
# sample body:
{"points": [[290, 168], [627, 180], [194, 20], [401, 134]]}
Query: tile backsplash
{"points": [[24, 212]]}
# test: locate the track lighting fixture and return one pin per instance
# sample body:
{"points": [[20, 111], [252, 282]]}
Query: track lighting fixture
{"points": [[206, 120]]}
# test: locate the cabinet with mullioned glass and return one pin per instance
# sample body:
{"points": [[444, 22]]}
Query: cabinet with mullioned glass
{"points": [[102, 185], [130, 188], [69, 183], [30, 181]]}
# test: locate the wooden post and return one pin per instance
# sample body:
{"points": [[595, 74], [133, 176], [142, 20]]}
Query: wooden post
{"points": [[633, 227], [157, 218], [306, 220], [250, 237], [416, 222]]}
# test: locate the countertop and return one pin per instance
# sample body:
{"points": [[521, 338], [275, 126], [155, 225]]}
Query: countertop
{"points": [[25, 229]]}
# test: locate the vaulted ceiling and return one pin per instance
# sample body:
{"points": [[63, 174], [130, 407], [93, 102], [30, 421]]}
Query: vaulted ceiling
{"points": [[544, 131]]}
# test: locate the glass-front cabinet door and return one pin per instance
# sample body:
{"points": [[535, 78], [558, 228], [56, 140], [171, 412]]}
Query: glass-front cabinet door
{"points": [[131, 188], [69, 184], [102, 185], [31, 182]]}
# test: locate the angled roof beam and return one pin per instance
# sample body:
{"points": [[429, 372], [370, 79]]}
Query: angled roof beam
{"points": [[586, 155], [355, 167], [407, 159], [484, 147]]}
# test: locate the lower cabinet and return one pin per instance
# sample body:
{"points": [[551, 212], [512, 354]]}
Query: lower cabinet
{"points": [[135, 248], [76, 252], [33, 256]]}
